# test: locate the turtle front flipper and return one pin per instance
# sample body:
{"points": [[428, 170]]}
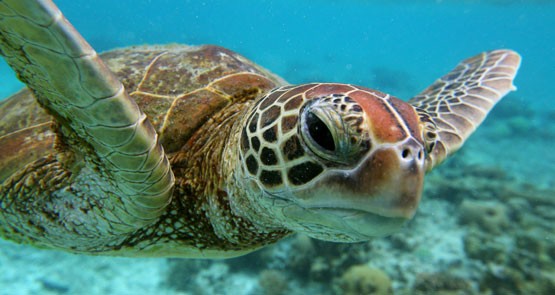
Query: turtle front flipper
{"points": [[452, 107], [90, 105]]}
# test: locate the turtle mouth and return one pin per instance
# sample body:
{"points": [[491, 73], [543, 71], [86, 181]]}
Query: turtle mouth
{"points": [[344, 224], [364, 223]]}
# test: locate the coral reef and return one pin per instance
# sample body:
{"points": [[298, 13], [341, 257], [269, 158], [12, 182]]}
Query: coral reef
{"points": [[480, 231], [273, 282], [440, 284], [522, 263], [490, 216], [509, 234], [515, 117], [364, 280]]}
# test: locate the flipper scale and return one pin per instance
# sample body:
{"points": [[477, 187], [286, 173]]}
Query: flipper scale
{"points": [[458, 102], [75, 86]]}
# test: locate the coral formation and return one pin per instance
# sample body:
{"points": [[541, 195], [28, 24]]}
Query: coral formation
{"points": [[490, 216], [303, 255], [180, 273], [441, 284], [318, 261], [481, 231], [273, 282], [364, 280]]}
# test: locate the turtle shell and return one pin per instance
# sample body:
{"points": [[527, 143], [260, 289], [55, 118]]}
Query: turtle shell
{"points": [[178, 87]]}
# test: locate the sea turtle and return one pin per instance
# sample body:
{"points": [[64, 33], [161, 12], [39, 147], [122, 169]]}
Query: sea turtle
{"points": [[195, 151]]}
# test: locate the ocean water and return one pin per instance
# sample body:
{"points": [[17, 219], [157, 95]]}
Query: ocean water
{"points": [[485, 225]]}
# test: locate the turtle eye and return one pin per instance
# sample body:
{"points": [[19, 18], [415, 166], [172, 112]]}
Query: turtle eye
{"points": [[333, 130], [319, 132], [316, 131]]}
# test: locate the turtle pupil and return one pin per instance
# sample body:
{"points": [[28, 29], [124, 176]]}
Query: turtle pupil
{"points": [[320, 132]]}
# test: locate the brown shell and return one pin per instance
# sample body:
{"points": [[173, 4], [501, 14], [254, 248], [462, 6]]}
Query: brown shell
{"points": [[179, 88]]}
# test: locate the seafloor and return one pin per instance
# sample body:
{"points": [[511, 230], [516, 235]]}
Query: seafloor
{"points": [[485, 224]]}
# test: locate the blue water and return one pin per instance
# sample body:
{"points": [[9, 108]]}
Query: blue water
{"points": [[398, 47], [346, 41]]}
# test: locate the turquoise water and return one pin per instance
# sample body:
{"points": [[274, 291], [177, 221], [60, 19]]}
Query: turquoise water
{"points": [[398, 47], [346, 41]]}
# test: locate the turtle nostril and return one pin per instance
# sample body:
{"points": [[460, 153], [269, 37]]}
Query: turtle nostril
{"points": [[405, 153], [411, 151]]}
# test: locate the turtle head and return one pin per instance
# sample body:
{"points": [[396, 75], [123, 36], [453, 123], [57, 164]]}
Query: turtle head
{"points": [[337, 162]]}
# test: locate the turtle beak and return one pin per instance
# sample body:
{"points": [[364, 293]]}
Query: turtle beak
{"points": [[389, 183], [375, 199]]}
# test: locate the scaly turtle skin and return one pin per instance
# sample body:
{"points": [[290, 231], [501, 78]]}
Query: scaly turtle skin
{"points": [[198, 152]]}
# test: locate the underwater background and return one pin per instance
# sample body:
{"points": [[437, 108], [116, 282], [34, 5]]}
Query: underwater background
{"points": [[486, 221]]}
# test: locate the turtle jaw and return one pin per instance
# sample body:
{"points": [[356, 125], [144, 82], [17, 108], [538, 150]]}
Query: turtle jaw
{"points": [[375, 199], [342, 225]]}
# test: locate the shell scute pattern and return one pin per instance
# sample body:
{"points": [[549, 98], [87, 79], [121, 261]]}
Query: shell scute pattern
{"points": [[180, 88], [25, 132]]}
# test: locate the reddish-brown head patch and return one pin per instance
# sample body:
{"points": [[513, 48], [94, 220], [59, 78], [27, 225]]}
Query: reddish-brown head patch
{"points": [[383, 121]]}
